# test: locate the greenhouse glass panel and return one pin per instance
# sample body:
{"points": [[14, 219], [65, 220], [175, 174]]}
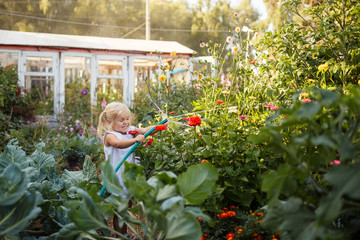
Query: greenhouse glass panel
{"points": [[41, 93], [146, 73], [110, 68], [9, 60], [39, 64], [109, 90], [77, 84]]}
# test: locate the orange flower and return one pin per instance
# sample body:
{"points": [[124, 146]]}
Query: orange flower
{"points": [[160, 127], [173, 54], [219, 102], [231, 213], [205, 235], [199, 219], [232, 207], [253, 61], [204, 160]]}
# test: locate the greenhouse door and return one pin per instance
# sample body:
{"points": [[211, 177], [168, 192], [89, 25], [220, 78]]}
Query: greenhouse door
{"points": [[111, 80], [40, 79]]}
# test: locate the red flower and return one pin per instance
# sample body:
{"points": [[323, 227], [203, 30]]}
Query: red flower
{"points": [[199, 219], [149, 142], [219, 102], [253, 61], [232, 207], [205, 235], [160, 127], [133, 132], [230, 235], [172, 112], [224, 215], [194, 121]]}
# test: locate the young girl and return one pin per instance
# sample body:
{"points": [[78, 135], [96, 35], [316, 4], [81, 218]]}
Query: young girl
{"points": [[118, 137]]}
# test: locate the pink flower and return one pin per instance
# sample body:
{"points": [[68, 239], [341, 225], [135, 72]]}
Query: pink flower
{"points": [[200, 136], [103, 103], [186, 119], [268, 105], [335, 162], [274, 107], [243, 117], [172, 112], [305, 100]]}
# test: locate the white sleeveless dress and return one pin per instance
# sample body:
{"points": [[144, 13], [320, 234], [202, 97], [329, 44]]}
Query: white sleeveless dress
{"points": [[117, 154]]}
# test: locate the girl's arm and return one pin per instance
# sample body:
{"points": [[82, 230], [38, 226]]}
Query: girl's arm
{"points": [[112, 140], [145, 130]]}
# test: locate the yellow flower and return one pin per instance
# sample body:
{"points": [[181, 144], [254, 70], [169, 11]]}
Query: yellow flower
{"points": [[304, 95], [253, 120], [252, 97], [323, 67], [162, 78], [195, 72], [237, 29], [173, 54], [204, 67], [359, 81], [311, 80]]}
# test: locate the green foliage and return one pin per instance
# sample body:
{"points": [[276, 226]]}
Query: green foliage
{"points": [[14, 107], [316, 193], [75, 149], [167, 201]]}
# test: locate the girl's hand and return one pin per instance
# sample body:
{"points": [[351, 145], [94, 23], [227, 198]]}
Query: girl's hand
{"points": [[140, 138]]}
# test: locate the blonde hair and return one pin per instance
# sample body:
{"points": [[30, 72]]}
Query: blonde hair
{"points": [[111, 112]]}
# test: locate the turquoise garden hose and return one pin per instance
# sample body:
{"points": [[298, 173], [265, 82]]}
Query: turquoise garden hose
{"points": [[103, 189]]}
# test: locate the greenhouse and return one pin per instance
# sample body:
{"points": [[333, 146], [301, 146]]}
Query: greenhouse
{"points": [[52, 66]]}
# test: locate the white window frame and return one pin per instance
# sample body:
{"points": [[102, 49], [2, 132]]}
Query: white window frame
{"points": [[62, 75], [21, 81], [126, 88], [55, 73], [132, 73]]}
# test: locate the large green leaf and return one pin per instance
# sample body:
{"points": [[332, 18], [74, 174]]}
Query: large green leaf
{"points": [[166, 192], [346, 182], [41, 162], [110, 179], [13, 185], [13, 154], [197, 183], [16, 217], [87, 214], [89, 170], [184, 227]]}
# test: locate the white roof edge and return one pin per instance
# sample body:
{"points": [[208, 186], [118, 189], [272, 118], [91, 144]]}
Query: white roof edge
{"points": [[89, 42]]}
